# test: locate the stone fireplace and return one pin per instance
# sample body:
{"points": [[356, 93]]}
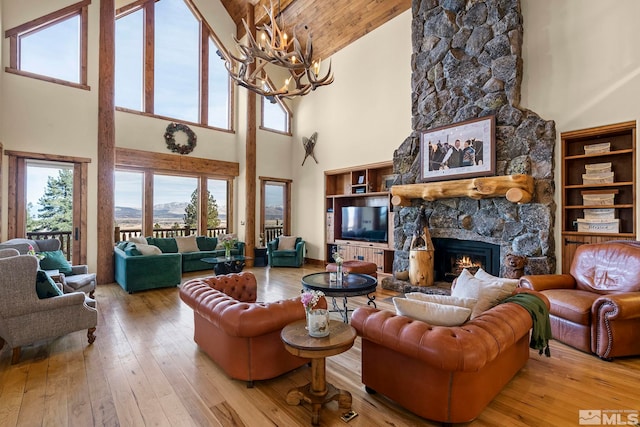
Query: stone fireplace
{"points": [[467, 63]]}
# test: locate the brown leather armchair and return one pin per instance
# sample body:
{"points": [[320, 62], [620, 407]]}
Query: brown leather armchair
{"points": [[239, 334], [596, 308]]}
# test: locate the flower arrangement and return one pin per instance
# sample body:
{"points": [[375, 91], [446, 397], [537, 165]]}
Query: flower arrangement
{"points": [[228, 241], [310, 299], [32, 251]]}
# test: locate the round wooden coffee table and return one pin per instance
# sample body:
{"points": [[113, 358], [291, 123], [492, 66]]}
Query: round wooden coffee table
{"points": [[297, 341]]}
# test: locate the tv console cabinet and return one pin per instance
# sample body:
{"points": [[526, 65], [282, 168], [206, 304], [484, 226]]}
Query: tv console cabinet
{"points": [[366, 185]]}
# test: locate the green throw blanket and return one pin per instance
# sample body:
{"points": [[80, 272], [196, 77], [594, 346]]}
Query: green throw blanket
{"points": [[541, 333]]}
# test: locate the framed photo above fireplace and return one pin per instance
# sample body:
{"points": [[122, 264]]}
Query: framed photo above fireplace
{"points": [[461, 150]]}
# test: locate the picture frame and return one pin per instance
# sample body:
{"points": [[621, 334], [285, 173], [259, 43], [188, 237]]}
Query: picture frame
{"points": [[361, 179], [387, 182], [461, 150]]}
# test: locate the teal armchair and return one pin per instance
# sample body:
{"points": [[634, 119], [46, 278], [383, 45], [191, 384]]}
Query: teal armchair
{"points": [[279, 257]]}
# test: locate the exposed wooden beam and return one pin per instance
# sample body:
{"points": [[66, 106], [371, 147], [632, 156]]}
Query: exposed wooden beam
{"points": [[250, 161], [106, 141]]}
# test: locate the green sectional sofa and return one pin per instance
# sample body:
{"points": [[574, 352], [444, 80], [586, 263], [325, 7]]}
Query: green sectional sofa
{"points": [[135, 271]]}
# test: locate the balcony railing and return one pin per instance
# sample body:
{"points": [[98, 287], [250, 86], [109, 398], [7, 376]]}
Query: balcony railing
{"points": [[63, 236], [270, 233], [122, 235]]}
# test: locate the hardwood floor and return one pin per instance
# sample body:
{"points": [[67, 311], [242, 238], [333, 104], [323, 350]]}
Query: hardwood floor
{"points": [[145, 369]]}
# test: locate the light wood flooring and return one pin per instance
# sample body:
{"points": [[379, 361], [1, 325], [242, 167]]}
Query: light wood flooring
{"points": [[145, 369]]}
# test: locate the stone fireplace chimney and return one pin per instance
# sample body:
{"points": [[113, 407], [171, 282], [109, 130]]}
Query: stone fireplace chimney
{"points": [[467, 63]]}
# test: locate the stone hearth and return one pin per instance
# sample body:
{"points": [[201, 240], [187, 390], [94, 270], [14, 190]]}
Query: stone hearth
{"points": [[467, 63]]}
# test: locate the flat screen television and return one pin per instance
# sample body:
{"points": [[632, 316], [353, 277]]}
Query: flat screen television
{"points": [[365, 223]]}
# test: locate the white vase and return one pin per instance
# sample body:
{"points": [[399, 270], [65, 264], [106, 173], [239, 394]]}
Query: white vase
{"points": [[318, 322]]}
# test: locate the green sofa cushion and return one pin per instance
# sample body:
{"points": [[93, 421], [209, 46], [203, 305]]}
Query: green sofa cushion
{"points": [[45, 286], [167, 245], [55, 260], [206, 243]]}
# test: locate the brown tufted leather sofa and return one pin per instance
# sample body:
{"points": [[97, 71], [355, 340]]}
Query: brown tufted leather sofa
{"points": [[446, 374], [242, 336], [596, 308]]}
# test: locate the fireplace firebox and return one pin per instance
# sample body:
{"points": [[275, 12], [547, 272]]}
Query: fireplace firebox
{"points": [[451, 256]]}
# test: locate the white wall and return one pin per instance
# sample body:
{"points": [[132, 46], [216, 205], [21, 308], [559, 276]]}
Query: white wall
{"points": [[581, 67], [361, 118]]}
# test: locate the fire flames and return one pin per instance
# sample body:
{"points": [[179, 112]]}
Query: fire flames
{"points": [[465, 261]]}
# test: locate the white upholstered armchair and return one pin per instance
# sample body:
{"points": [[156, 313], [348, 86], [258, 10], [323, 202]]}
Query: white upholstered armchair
{"points": [[24, 318]]}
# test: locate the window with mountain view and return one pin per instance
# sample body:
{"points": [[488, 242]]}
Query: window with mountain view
{"points": [[171, 196], [177, 76], [128, 200]]}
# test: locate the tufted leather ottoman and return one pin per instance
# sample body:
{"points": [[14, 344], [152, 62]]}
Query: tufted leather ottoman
{"points": [[354, 266]]}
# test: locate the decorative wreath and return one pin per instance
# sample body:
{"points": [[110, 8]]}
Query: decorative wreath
{"points": [[171, 141]]}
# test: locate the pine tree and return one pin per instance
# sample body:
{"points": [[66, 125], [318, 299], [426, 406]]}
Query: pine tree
{"points": [[56, 212], [32, 223], [191, 211]]}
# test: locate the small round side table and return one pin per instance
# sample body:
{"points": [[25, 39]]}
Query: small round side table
{"points": [[297, 341]]}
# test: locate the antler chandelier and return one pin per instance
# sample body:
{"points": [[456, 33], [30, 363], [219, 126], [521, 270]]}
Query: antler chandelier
{"points": [[277, 49]]}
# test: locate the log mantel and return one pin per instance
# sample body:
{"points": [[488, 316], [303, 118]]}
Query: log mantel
{"points": [[516, 188]]}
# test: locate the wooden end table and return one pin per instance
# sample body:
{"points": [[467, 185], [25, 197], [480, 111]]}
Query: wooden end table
{"points": [[297, 341]]}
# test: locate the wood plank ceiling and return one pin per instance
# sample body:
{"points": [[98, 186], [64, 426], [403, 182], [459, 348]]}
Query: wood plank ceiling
{"points": [[334, 23]]}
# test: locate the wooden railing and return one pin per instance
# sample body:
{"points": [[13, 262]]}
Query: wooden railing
{"points": [[122, 235], [270, 233], [63, 236]]}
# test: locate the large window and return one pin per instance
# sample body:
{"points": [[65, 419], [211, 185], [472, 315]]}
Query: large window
{"points": [[276, 115], [129, 60], [275, 207], [164, 69], [217, 203], [128, 199], [173, 202], [52, 47], [169, 197]]}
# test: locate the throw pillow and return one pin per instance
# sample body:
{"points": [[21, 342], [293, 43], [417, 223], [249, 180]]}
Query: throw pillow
{"points": [[148, 249], [206, 243], [186, 244], [45, 286], [466, 286], [286, 243], [139, 239], [432, 313], [443, 299], [488, 293], [483, 275], [55, 260]]}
